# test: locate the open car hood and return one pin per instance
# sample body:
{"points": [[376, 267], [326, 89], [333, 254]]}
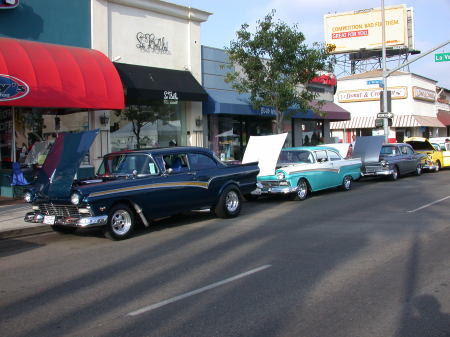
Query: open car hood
{"points": [[420, 144], [56, 176], [265, 150], [368, 148]]}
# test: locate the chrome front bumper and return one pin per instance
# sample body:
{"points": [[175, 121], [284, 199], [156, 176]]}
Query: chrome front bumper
{"points": [[275, 190], [430, 167], [77, 222], [380, 172]]}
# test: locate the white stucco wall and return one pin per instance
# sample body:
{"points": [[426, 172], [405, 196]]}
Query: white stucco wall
{"points": [[402, 106]]}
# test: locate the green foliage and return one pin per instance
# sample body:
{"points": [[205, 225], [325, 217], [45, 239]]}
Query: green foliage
{"points": [[273, 63], [141, 115]]}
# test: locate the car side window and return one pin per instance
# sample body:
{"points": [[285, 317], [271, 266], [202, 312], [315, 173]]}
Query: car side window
{"points": [[321, 156], [404, 150], [177, 162], [198, 161], [409, 150], [334, 155]]}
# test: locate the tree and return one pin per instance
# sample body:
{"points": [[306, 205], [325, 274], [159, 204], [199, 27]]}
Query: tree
{"points": [[141, 115], [274, 65]]}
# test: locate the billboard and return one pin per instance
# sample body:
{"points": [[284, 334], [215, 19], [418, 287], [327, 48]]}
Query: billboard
{"points": [[362, 29]]}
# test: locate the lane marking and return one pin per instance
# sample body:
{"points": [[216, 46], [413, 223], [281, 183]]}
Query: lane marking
{"points": [[198, 291], [428, 205]]}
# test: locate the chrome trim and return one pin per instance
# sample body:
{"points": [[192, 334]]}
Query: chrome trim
{"points": [[81, 222], [275, 190]]}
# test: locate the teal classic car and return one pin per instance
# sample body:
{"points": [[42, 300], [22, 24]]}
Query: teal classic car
{"points": [[301, 170]]}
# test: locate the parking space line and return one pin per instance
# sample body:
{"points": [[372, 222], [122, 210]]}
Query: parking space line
{"points": [[428, 205], [198, 291]]}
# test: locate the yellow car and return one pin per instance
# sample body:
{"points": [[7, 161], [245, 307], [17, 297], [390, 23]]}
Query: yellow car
{"points": [[436, 159]]}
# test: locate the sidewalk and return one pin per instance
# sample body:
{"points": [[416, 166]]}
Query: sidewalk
{"points": [[12, 225]]}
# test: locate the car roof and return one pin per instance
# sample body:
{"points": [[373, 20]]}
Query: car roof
{"points": [[308, 148], [165, 150]]}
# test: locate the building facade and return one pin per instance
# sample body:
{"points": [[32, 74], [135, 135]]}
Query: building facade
{"points": [[231, 119], [149, 51], [413, 105]]}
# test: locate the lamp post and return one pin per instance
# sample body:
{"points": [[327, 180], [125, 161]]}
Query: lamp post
{"points": [[383, 51]]}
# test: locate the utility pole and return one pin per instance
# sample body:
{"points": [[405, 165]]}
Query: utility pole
{"points": [[383, 46]]}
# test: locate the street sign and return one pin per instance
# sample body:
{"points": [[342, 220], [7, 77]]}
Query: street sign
{"points": [[441, 57], [379, 122], [377, 82], [385, 115]]}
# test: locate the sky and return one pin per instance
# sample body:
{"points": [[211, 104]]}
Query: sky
{"points": [[431, 23]]}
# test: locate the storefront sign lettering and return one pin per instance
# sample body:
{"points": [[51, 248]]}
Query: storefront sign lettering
{"points": [[347, 96], [170, 97], [150, 43], [424, 94], [12, 88], [267, 111]]}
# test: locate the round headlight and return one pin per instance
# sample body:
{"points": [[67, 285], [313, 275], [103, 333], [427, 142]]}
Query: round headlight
{"points": [[75, 198], [280, 175], [28, 197]]}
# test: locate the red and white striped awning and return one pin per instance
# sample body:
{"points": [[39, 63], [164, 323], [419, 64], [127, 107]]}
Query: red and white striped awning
{"points": [[399, 121], [367, 122]]}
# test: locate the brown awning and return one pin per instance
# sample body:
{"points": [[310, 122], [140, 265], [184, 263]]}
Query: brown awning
{"points": [[331, 111]]}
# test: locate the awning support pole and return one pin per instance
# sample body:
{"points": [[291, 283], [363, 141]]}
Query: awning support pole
{"points": [[13, 136]]}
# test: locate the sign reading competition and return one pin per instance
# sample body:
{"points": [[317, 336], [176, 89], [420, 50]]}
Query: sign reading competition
{"points": [[352, 31]]}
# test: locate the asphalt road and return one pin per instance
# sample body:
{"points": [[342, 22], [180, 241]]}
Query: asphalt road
{"points": [[373, 261]]}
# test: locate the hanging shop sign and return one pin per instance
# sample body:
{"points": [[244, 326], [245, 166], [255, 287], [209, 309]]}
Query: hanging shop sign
{"points": [[347, 96], [149, 42], [12, 88], [8, 4], [424, 94]]}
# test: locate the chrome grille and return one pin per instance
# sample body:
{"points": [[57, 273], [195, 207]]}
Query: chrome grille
{"points": [[270, 183], [59, 210]]}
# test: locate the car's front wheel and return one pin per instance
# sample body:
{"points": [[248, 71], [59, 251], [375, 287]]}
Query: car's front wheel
{"points": [[394, 175], [302, 190], [229, 204], [120, 222], [438, 166]]}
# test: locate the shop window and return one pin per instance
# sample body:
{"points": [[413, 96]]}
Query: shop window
{"points": [[146, 126], [312, 132]]}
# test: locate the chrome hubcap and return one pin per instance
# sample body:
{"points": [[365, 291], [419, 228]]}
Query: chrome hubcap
{"points": [[232, 201], [121, 222], [302, 190]]}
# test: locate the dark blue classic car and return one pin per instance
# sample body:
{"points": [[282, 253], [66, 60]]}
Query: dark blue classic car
{"points": [[133, 187]]}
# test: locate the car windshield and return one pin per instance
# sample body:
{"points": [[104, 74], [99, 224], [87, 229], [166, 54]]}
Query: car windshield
{"points": [[389, 151], [127, 164], [295, 156]]}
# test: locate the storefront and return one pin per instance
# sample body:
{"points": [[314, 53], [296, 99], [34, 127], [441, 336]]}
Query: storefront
{"points": [[413, 106], [46, 89], [232, 119], [155, 46]]}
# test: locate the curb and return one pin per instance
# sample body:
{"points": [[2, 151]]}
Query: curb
{"points": [[16, 233]]}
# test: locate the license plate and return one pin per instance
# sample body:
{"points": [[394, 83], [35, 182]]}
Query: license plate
{"points": [[49, 219]]}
